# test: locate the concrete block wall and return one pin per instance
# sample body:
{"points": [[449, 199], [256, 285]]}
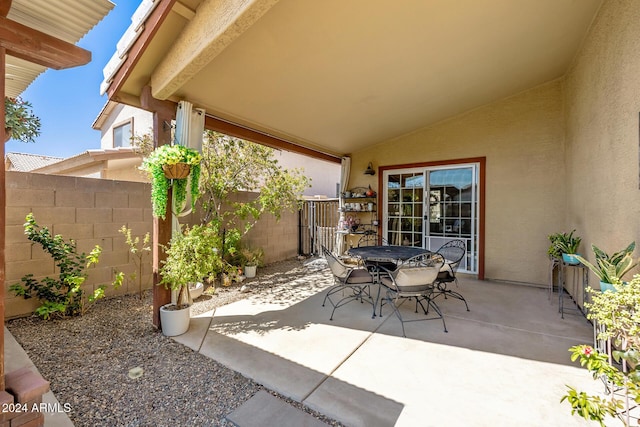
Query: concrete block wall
{"points": [[91, 211]]}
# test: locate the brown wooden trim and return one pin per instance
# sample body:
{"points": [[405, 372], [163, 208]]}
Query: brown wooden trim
{"points": [[40, 48], [232, 129], [161, 227], [3, 220], [5, 6], [482, 161], [151, 27]]}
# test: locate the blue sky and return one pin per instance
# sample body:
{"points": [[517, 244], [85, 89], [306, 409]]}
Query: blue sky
{"points": [[68, 101]]}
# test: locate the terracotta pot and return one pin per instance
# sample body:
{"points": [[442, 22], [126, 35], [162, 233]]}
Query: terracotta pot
{"points": [[177, 171], [7, 134]]}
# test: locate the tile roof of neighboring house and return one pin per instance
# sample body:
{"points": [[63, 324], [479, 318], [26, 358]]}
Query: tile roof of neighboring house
{"points": [[87, 158], [24, 162]]}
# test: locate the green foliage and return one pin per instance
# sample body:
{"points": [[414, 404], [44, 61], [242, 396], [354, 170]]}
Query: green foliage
{"points": [[63, 295], [143, 144], [191, 257], [611, 269], [19, 117], [138, 250], [619, 313], [564, 243], [592, 408], [553, 251], [231, 165], [252, 256], [231, 246], [171, 155]]}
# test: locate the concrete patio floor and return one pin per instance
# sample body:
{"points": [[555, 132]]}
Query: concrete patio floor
{"points": [[504, 363]]}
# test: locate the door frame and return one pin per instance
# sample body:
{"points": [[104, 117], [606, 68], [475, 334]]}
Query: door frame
{"points": [[481, 161]]}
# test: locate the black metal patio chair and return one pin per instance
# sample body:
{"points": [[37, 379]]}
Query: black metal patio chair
{"points": [[352, 282], [413, 278], [453, 252]]}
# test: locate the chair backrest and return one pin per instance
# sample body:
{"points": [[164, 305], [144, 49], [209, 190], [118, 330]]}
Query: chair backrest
{"points": [[453, 251], [418, 273], [372, 239], [338, 269]]}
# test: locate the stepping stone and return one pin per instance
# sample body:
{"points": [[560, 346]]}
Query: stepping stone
{"points": [[264, 409]]}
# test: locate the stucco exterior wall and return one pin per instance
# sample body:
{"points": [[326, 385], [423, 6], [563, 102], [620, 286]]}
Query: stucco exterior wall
{"points": [[602, 106], [91, 211], [522, 139]]}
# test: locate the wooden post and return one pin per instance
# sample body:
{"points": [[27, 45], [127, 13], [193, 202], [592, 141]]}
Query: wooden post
{"points": [[163, 113], [3, 203]]}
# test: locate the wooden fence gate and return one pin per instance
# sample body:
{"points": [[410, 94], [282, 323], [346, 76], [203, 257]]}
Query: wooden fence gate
{"points": [[318, 222]]}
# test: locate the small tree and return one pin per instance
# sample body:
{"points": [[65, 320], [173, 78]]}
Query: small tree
{"points": [[231, 165], [20, 121], [62, 295], [138, 249]]}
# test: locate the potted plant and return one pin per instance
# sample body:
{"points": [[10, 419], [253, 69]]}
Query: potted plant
{"points": [[553, 250], [567, 244], [252, 259], [190, 259], [171, 165], [610, 269], [616, 316]]}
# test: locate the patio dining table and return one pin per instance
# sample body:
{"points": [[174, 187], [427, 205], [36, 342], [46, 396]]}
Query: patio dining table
{"points": [[386, 253]]}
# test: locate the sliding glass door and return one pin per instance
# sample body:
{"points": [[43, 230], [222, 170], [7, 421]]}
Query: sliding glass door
{"points": [[432, 205]]}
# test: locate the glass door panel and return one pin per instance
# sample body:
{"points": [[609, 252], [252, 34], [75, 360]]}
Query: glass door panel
{"points": [[453, 209], [430, 206], [403, 204]]}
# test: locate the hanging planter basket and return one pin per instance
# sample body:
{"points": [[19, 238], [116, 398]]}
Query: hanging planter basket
{"points": [[176, 171]]}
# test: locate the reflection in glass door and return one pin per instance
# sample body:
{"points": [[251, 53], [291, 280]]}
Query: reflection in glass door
{"points": [[430, 206], [404, 208]]}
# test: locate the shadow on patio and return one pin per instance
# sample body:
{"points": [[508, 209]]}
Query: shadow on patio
{"points": [[506, 362]]}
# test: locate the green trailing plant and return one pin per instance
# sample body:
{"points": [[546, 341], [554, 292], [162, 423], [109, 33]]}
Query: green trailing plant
{"points": [[167, 155], [138, 249], [566, 243], [191, 257], [617, 315], [20, 121], [62, 295], [611, 268]]}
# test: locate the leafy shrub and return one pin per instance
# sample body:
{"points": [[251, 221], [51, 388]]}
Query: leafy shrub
{"points": [[62, 295]]}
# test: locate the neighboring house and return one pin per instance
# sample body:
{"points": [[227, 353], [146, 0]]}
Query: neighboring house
{"points": [[24, 162], [115, 163], [118, 123]]}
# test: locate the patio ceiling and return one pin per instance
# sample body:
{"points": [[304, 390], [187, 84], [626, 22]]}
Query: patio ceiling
{"points": [[67, 20], [337, 76]]}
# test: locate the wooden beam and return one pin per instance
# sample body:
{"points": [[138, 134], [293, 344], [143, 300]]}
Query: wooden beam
{"points": [[5, 6], [3, 203], [166, 107], [232, 129], [40, 48], [151, 27], [163, 113]]}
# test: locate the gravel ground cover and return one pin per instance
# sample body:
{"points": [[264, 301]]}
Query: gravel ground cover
{"points": [[87, 360]]}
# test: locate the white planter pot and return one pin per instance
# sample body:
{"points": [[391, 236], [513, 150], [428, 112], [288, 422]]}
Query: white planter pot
{"points": [[196, 289], [250, 271], [174, 322]]}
